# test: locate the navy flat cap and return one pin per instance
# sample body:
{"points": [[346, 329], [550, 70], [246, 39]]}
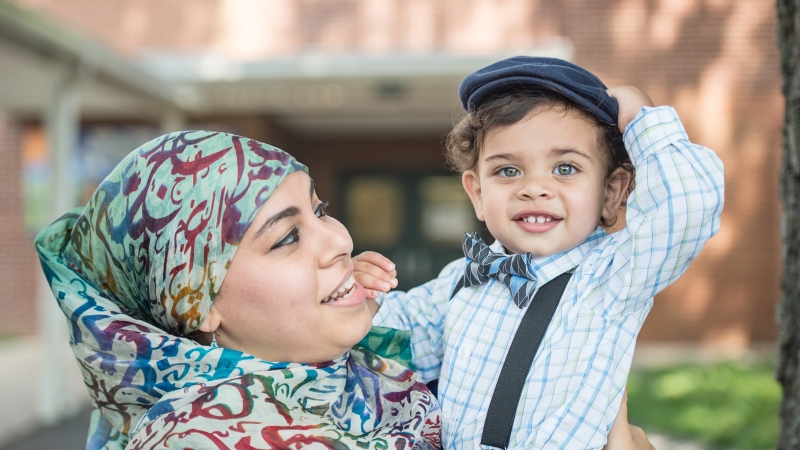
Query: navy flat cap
{"points": [[521, 72]]}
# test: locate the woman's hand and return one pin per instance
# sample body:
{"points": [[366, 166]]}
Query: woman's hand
{"points": [[375, 272], [624, 436], [630, 101]]}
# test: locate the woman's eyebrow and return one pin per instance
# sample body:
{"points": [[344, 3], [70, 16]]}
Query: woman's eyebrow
{"points": [[288, 212]]}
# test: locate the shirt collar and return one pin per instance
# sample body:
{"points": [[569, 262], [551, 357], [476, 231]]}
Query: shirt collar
{"points": [[547, 268]]}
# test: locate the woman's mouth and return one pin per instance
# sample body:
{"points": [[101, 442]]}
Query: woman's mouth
{"points": [[345, 291]]}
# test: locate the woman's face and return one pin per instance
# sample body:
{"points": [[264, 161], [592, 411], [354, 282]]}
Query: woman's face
{"points": [[289, 294]]}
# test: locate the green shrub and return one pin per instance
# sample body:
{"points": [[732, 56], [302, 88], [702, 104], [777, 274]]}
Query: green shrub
{"points": [[724, 405]]}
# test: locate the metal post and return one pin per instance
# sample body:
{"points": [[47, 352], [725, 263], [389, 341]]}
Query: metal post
{"points": [[62, 120]]}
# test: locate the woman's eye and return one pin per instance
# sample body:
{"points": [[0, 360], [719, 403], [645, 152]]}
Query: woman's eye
{"points": [[320, 211], [509, 172], [564, 170], [290, 238]]}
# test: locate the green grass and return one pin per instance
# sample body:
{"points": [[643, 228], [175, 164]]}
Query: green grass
{"points": [[724, 405]]}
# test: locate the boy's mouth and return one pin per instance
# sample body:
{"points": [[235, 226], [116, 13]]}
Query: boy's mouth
{"points": [[537, 221]]}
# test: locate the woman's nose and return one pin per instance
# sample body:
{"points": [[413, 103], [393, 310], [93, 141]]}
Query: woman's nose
{"points": [[335, 242]]}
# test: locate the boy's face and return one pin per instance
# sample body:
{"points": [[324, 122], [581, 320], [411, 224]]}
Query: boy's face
{"points": [[540, 184]]}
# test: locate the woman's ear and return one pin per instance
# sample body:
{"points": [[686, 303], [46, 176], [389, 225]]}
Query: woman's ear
{"points": [[212, 320], [616, 193], [472, 184]]}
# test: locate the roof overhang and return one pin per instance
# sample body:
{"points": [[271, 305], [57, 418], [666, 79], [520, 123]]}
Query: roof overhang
{"points": [[333, 93], [34, 51]]}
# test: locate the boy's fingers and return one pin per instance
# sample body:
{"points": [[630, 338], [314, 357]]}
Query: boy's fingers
{"points": [[371, 282], [377, 259], [368, 268], [640, 439]]}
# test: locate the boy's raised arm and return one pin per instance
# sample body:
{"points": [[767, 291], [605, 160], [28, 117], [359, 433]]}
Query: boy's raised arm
{"points": [[675, 207]]}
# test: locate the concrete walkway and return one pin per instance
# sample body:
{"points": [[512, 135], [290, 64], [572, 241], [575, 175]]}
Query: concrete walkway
{"points": [[68, 435], [20, 389]]}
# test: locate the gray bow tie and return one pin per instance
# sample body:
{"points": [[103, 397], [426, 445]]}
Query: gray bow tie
{"points": [[482, 264]]}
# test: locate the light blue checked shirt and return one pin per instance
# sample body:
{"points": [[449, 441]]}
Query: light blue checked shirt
{"points": [[574, 388]]}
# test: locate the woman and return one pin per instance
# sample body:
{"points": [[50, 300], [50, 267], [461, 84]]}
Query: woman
{"points": [[147, 270], [143, 264]]}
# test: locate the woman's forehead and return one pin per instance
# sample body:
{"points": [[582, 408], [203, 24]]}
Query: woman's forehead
{"points": [[295, 192]]}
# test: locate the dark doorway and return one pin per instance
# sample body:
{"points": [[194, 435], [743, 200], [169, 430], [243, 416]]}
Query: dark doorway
{"points": [[416, 219]]}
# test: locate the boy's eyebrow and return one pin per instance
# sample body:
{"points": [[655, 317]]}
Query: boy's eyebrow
{"points": [[566, 151], [500, 156], [288, 212]]}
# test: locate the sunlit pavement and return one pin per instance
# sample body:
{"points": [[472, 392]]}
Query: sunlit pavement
{"points": [[68, 435]]}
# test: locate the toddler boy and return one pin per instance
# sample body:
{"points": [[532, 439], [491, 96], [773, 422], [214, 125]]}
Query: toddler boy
{"points": [[546, 166]]}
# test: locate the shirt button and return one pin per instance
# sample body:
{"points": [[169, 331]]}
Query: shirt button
{"points": [[497, 289], [463, 352]]}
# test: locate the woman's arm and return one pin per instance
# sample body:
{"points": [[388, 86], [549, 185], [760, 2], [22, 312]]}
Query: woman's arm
{"points": [[624, 436]]}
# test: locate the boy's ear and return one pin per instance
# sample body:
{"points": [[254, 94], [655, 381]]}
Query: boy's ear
{"points": [[472, 184], [616, 193]]}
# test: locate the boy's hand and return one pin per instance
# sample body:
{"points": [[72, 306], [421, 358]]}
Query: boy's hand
{"points": [[375, 272], [630, 100]]}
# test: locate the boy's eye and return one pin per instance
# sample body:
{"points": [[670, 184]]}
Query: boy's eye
{"points": [[564, 170], [320, 211], [291, 238], [509, 172]]}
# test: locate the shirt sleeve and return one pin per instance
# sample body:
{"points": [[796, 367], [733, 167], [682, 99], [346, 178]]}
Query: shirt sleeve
{"points": [[422, 310], [674, 209]]}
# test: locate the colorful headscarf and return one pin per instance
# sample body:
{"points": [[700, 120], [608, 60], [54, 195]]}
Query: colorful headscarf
{"points": [[147, 254]]}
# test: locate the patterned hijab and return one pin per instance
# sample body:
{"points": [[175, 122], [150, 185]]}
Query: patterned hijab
{"points": [[140, 265]]}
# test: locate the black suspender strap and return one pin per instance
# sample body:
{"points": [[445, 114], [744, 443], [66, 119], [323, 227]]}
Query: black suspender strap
{"points": [[507, 392]]}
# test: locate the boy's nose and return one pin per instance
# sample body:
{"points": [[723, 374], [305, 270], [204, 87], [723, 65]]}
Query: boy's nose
{"points": [[535, 188]]}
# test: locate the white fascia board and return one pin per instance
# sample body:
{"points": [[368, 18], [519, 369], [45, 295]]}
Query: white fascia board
{"points": [[183, 68], [49, 39]]}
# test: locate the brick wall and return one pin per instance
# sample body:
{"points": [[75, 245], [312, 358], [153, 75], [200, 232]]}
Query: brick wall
{"points": [[18, 263], [716, 61]]}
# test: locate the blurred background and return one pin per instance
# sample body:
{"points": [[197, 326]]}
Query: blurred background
{"points": [[362, 91]]}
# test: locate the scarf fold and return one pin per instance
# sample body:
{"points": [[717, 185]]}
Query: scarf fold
{"points": [[140, 265]]}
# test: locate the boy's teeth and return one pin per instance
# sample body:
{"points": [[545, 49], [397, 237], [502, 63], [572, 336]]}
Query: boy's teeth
{"points": [[537, 219]]}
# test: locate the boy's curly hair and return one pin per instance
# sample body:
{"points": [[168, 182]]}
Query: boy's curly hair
{"points": [[464, 143]]}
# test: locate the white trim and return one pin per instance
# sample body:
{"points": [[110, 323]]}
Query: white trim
{"points": [[215, 68]]}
